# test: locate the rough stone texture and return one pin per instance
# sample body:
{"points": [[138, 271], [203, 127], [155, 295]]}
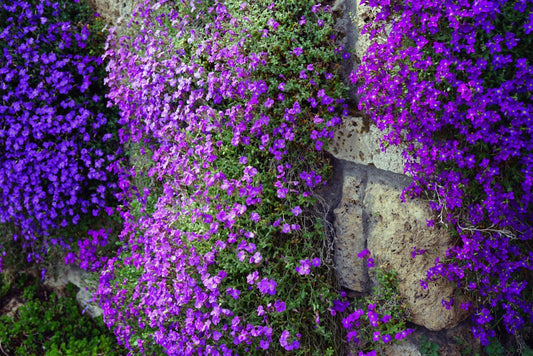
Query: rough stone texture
{"points": [[115, 12], [11, 307], [405, 348], [63, 275], [351, 270], [358, 140], [395, 229], [363, 15], [371, 215]]}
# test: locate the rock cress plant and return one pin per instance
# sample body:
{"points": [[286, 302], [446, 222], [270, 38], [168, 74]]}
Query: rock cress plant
{"points": [[56, 135], [453, 84], [232, 103]]}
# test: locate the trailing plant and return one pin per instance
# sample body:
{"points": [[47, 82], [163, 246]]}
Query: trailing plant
{"points": [[232, 103], [452, 84], [58, 136], [377, 319]]}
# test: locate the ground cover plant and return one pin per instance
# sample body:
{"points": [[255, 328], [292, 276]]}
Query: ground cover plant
{"points": [[226, 108], [220, 220], [453, 84], [378, 319], [58, 137], [48, 324], [232, 103]]}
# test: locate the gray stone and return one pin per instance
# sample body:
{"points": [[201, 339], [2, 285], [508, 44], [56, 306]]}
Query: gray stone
{"points": [[350, 237], [62, 275], [395, 228], [84, 298], [11, 307], [115, 12], [358, 140], [404, 348]]}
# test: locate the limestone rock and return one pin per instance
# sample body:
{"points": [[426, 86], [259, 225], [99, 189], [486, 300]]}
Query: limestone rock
{"points": [[11, 307], [404, 348], [63, 275], [350, 237], [112, 11], [365, 14], [84, 298], [395, 228], [358, 140]]}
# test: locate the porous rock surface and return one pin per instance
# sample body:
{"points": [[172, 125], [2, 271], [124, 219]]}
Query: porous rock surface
{"points": [[114, 12], [85, 281], [359, 141], [371, 215], [365, 196]]}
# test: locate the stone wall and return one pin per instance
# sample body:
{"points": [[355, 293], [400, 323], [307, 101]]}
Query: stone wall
{"points": [[369, 214], [364, 195]]}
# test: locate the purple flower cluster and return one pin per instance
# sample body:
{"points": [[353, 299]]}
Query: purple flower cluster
{"points": [[367, 325], [376, 320], [210, 245], [453, 84], [55, 139]]}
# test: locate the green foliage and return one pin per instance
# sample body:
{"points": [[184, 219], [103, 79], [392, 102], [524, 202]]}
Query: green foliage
{"points": [[379, 318], [308, 297], [47, 324], [389, 301], [495, 348], [428, 348]]}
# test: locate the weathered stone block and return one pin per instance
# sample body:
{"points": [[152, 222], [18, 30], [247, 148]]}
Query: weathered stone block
{"points": [[350, 237], [113, 10], [395, 228], [357, 140], [63, 275]]}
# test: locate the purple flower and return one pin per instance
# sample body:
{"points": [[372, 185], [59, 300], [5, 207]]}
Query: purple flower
{"points": [[272, 23], [256, 258], [252, 277], [296, 210], [352, 336], [279, 305], [285, 229], [267, 286], [269, 102], [376, 336], [297, 51], [264, 344], [234, 293], [304, 268], [284, 343], [260, 310], [363, 253]]}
